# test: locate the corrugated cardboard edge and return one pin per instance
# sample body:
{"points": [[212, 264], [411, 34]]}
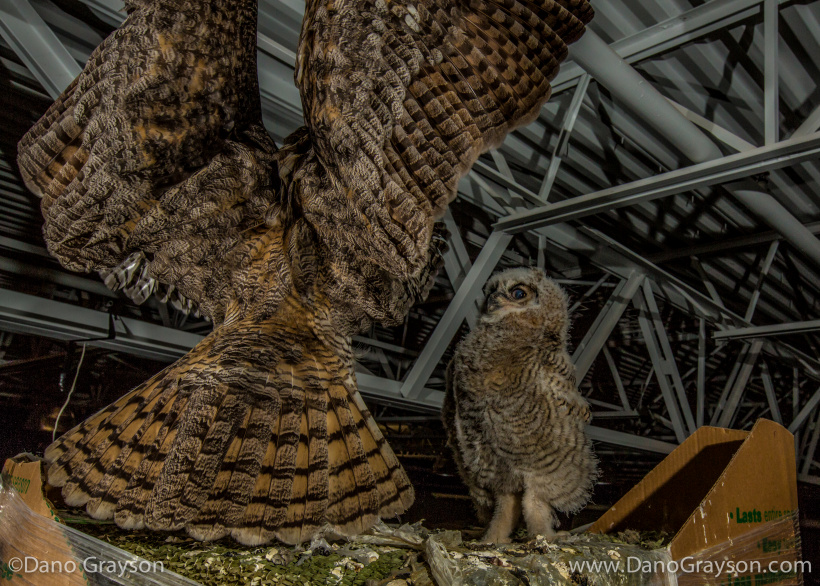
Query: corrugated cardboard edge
{"points": [[27, 479], [761, 477], [666, 469], [43, 541], [760, 484]]}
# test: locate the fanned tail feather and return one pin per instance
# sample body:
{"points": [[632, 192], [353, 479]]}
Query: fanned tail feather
{"points": [[259, 440]]}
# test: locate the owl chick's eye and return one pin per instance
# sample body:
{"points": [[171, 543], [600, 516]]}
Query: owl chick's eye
{"points": [[518, 293]]}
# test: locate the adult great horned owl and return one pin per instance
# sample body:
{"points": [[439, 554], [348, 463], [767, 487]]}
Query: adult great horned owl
{"points": [[155, 169], [514, 416]]}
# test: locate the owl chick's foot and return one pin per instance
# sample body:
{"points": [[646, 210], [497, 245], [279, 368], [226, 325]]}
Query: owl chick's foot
{"points": [[505, 518], [538, 514], [554, 536]]}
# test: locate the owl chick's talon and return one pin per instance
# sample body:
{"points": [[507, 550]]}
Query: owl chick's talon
{"points": [[553, 536]]}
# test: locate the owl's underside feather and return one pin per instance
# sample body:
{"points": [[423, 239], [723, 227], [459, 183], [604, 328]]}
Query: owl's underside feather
{"points": [[154, 168]]}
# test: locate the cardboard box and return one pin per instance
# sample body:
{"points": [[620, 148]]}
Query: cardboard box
{"points": [[729, 497], [33, 549], [26, 477], [725, 495], [36, 549]]}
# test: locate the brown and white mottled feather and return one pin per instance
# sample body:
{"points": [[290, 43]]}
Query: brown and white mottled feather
{"points": [[155, 170], [514, 417]]}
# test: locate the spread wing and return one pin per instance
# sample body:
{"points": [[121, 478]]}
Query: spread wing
{"points": [[154, 162], [401, 96], [156, 155]]}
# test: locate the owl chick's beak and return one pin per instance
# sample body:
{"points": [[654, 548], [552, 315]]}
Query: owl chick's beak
{"points": [[492, 302]]}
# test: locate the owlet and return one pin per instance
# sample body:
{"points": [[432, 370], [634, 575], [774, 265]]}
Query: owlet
{"points": [[512, 410]]}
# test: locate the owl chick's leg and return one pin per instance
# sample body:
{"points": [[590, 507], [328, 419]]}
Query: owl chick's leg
{"points": [[483, 501], [538, 513], [505, 518]]}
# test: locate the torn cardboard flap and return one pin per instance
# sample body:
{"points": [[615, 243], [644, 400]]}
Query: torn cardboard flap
{"points": [[26, 477], [33, 548]]}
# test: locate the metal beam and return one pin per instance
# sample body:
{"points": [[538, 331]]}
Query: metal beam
{"points": [[457, 263], [771, 395], [771, 85], [108, 10], [700, 408], [504, 169], [276, 50], [57, 277], [475, 188], [381, 356], [772, 212], [799, 327], [562, 144], [609, 254], [811, 479], [395, 349], [730, 139], [764, 270], [808, 457], [614, 414], [37, 46], [658, 363], [642, 98], [668, 34], [456, 242], [620, 260], [668, 366], [729, 410], [636, 93], [506, 181], [602, 327], [28, 314], [447, 327], [604, 404], [618, 382], [800, 418], [810, 125], [389, 391], [588, 292], [724, 246], [707, 282], [628, 440], [727, 388], [765, 158], [19, 245]]}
